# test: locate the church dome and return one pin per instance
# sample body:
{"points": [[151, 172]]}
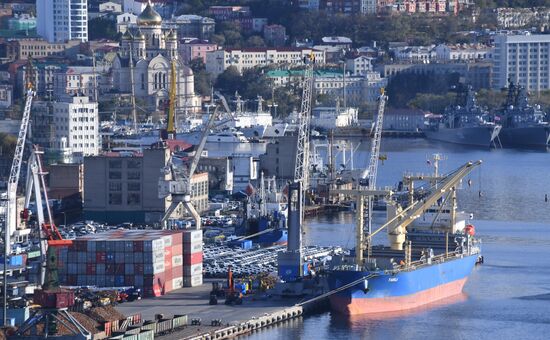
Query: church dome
{"points": [[149, 17], [127, 35]]}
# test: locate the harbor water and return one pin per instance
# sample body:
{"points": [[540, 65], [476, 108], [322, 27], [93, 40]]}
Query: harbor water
{"points": [[508, 297]]}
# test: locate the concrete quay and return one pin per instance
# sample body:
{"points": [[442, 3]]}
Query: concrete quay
{"points": [[255, 313]]}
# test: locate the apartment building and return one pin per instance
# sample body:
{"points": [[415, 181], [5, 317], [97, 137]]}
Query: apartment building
{"points": [[522, 59], [62, 20], [246, 58]]}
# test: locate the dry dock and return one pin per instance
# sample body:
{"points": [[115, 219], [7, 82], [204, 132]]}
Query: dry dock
{"points": [[253, 314]]}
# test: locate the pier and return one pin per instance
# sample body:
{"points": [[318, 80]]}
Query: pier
{"points": [[219, 321]]}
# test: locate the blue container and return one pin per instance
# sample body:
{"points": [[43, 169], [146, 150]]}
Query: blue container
{"points": [[246, 244], [119, 280], [16, 260]]}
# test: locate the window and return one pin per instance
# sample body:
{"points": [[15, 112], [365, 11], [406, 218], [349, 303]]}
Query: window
{"points": [[133, 175], [115, 175], [133, 164], [115, 199], [134, 186], [134, 199], [115, 164], [115, 186]]}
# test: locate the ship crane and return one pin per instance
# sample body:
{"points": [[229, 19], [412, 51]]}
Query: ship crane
{"points": [[402, 218]]}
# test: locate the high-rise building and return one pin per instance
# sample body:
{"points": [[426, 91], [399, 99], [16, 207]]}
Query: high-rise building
{"points": [[522, 59], [62, 20], [76, 122]]}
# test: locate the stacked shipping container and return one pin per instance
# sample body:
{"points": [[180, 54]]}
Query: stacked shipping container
{"points": [[192, 258], [152, 260]]}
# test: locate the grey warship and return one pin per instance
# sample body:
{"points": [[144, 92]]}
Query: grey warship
{"points": [[465, 123], [523, 125]]}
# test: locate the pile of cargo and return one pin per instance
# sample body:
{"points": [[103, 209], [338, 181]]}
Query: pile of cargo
{"points": [[153, 260], [192, 258]]}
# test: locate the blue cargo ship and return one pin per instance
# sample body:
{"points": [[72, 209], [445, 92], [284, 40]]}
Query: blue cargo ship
{"points": [[416, 269]]}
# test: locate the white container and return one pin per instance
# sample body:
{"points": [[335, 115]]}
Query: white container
{"points": [[190, 236], [192, 270], [167, 240], [192, 248], [177, 282], [177, 261], [192, 281], [158, 267]]}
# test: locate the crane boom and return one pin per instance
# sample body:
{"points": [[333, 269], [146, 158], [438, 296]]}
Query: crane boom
{"points": [[371, 173], [302, 150], [15, 170], [402, 219], [171, 126]]}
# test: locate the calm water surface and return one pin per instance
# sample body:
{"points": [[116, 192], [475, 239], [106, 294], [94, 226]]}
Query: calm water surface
{"points": [[506, 298]]}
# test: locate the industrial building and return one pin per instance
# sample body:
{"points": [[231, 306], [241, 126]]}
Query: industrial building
{"points": [[120, 188]]}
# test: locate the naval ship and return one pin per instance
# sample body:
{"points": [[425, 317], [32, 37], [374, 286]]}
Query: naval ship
{"points": [[464, 123], [523, 125]]}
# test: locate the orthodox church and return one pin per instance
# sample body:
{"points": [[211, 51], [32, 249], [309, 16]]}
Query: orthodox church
{"points": [[148, 51]]}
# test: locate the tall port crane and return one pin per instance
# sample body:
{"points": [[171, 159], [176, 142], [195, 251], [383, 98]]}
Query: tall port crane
{"points": [[10, 224], [301, 170], [368, 177], [50, 237], [290, 262], [54, 301]]}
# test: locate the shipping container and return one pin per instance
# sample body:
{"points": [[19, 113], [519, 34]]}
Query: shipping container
{"points": [[191, 248], [190, 259], [195, 269], [190, 236], [192, 281]]}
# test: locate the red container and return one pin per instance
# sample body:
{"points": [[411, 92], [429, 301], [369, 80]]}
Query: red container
{"points": [[177, 272], [177, 238], [90, 268], [71, 280], [129, 280], [119, 268], [191, 259], [100, 257], [168, 286], [177, 250], [109, 269], [138, 246]]}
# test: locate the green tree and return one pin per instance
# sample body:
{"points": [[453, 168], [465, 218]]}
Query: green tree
{"points": [[102, 28], [435, 103], [255, 41], [229, 81]]}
